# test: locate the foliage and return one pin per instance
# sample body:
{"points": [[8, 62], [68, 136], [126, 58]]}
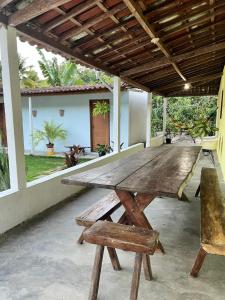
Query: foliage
{"points": [[27, 75], [157, 114], [103, 149], [196, 115], [4, 171], [51, 132], [101, 108]]}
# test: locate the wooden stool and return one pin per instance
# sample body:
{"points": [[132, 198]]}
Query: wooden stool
{"points": [[129, 238]]}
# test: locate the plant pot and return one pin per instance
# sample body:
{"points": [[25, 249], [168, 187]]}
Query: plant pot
{"points": [[101, 153], [168, 140], [50, 149]]}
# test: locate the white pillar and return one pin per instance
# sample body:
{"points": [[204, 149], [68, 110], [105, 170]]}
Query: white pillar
{"points": [[164, 115], [116, 113], [31, 126], [149, 119], [13, 107]]}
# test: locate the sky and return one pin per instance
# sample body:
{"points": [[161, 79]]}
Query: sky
{"points": [[30, 53]]}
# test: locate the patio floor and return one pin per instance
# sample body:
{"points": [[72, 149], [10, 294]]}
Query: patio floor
{"points": [[42, 260]]}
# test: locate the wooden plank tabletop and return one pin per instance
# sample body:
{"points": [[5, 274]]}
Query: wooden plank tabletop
{"points": [[162, 170]]}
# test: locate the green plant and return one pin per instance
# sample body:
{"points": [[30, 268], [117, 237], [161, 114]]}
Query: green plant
{"points": [[101, 108], [4, 171], [202, 127], [51, 132], [103, 149]]}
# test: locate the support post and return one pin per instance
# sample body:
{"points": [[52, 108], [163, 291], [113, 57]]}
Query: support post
{"points": [[149, 120], [164, 115], [13, 107], [31, 126], [116, 113]]}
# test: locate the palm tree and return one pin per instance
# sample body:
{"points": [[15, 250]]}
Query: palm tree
{"points": [[28, 76], [56, 74], [50, 133]]}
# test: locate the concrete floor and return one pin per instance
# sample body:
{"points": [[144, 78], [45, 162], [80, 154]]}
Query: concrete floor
{"points": [[42, 260]]}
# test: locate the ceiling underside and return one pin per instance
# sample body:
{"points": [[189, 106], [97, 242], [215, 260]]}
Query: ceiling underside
{"points": [[156, 45]]}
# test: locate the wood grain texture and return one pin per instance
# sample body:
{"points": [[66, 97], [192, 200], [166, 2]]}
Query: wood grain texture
{"points": [[128, 238], [100, 210], [160, 171], [212, 213]]}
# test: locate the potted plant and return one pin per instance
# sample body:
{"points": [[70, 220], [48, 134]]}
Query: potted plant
{"points": [[50, 133], [101, 108], [102, 149], [168, 136]]}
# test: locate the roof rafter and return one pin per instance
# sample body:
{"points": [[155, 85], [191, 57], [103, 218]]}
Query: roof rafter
{"points": [[137, 12], [4, 3], [72, 13], [34, 9], [164, 61]]}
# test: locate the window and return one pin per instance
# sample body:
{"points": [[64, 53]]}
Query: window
{"points": [[221, 107]]}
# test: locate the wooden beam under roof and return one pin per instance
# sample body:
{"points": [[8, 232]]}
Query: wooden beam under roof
{"points": [[49, 43], [4, 3], [80, 8], [34, 9], [137, 12], [194, 79], [164, 61], [76, 31]]}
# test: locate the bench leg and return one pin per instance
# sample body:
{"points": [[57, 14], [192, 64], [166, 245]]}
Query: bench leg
{"points": [[198, 262], [114, 259], [93, 294], [81, 239], [136, 277], [147, 267], [197, 191]]}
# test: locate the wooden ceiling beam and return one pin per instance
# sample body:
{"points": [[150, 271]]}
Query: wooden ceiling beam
{"points": [[4, 3], [192, 80], [34, 9], [137, 12], [76, 31], [80, 8], [65, 51], [164, 61]]}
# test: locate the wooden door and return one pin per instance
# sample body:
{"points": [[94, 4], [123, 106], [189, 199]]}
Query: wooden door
{"points": [[100, 127], [2, 124]]}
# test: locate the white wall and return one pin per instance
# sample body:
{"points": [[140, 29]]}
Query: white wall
{"points": [[19, 206], [76, 119], [137, 117]]}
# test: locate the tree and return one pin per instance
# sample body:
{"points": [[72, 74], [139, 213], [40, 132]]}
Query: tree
{"points": [[69, 73], [27, 75]]}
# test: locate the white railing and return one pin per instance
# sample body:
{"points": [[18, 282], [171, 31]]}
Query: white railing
{"points": [[19, 206]]}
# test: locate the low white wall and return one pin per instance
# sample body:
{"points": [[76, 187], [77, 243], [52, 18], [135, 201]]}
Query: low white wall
{"points": [[157, 141], [19, 206]]}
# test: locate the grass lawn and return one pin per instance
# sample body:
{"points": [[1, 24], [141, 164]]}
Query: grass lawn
{"points": [[37, 166]]}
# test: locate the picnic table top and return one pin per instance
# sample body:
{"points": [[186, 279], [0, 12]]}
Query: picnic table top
{"points": [[163, 171]]}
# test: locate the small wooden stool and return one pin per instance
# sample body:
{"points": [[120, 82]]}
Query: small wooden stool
{"points": [[129, 238]]}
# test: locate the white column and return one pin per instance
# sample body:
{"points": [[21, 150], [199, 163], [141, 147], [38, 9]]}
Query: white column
{"points": [[164, 115], [149, 119], [31, 126], [116, 113], [13, 107]]}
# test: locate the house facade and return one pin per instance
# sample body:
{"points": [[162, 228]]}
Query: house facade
{"points": [[73, 108]]}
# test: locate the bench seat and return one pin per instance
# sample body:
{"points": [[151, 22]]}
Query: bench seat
{"points": [[212, 218], [128, 238]]}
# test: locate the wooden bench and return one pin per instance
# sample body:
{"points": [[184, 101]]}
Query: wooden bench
{"points": [[129, 238], [101, 210], [212, 218]]}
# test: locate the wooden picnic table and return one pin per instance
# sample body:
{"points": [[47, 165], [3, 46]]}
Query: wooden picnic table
{"points": [[139, 178]]}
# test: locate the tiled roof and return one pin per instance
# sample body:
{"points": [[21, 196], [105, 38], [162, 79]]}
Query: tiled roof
{"points": [[64, 90]]}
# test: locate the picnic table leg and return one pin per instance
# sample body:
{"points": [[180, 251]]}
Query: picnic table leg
{"points": [[135, 213]]}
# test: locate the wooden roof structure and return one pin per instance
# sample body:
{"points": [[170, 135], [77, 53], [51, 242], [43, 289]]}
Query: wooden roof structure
{"points": [[155, 45]]}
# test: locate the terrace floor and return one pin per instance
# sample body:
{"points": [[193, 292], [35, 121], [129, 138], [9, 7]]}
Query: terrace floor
{"points": [[43, 261]]}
